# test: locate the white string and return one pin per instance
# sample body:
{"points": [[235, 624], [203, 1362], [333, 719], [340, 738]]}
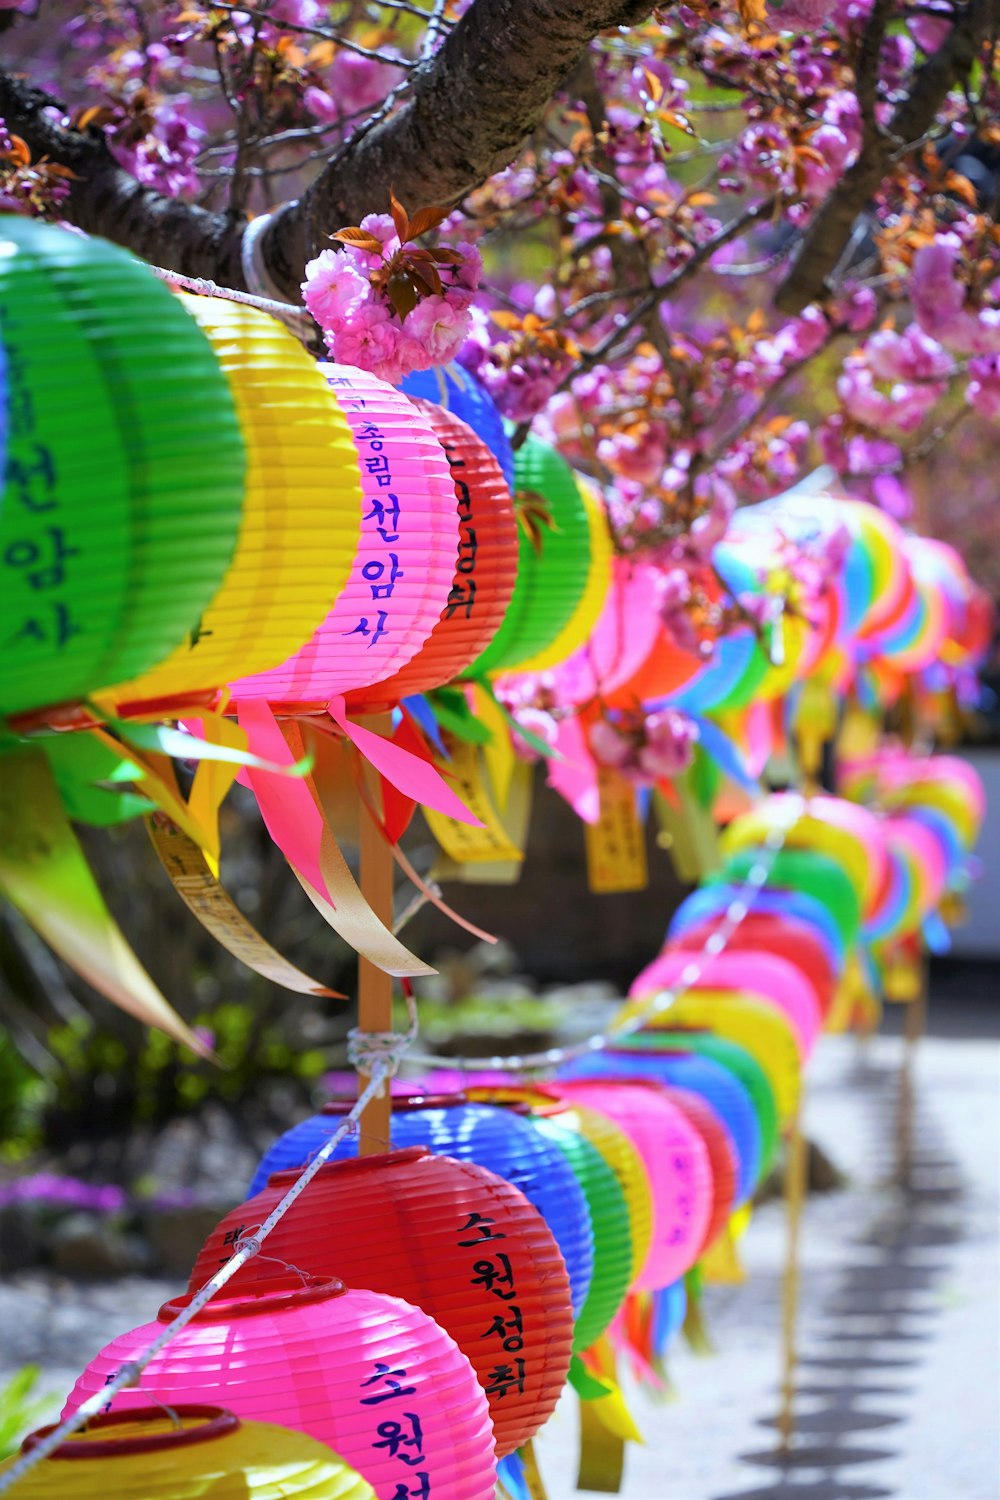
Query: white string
{"points": [[296, 319], [382, 1068], [367, 1049], [660, 1000]]}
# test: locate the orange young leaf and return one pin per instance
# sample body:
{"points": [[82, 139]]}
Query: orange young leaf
{"points": [[18, 152], [701, 200], [400, 218], [359, 238], [426, 219]]}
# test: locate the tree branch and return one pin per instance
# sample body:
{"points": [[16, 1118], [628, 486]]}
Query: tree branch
{"points": [[824, 240], [470, 108], [472, 105], [107, 200]]}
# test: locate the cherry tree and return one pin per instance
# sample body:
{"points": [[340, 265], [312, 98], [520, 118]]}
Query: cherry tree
{"points": [[701, 248]]}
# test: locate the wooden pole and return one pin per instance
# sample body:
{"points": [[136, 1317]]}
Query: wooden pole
{"points": [[375, 986], [795, 1192], [914, 1027]]}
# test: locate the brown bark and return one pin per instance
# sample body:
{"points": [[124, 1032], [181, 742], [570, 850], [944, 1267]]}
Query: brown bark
{"points": [[471, 107], [823, 244]]}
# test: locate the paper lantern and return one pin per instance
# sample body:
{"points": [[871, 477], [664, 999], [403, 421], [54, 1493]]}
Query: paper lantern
{"points": [[609, 1222], [622, 638], [371, 1376], [744, 1067], [756, 1024], [301, 514], [188, 1454], [676, 1163], [485, 573], [504, 1142], [734, 654], [793, 941], [582, 624], [551, 577], [665, 670], [755, 973], [402, 572], [122, 505], [699, 1075], [714, 898], [612, 1143], [827, 825], [448, 1236], [722, 1158], [811, 873], [457, 391]]}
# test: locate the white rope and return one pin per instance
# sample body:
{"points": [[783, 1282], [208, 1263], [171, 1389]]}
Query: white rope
{"points": [[661, 1000], [255, 273], [382, 1068], [367, 1050], [296, 319]]}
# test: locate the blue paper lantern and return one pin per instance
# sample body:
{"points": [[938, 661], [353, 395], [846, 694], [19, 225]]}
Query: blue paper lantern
{"points": [[502, 1139], [458, 391], [714, 898]]}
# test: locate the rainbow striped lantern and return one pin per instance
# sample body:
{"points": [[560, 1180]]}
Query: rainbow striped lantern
{"points": [[372, 1377], [302, 509], [404, 565], [502, 1140], [449, 1236], [188, 1453], [122, 506]]}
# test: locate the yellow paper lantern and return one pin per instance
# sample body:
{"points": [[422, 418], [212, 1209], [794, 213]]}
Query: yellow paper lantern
{"points": [[207, 1452], [752, 1023], [301, 516]]}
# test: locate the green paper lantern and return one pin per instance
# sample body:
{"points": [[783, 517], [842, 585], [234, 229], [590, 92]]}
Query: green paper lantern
{"points": [[742, 1064], [551, 577], [609, 1221], [124, 481], [813, 874]]}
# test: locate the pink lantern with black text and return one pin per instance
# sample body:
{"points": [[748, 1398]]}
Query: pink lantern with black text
{"points": [[371, 1376]]}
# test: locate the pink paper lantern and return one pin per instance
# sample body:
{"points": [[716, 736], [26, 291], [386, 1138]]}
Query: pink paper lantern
{"points": [[758, 973], [626, 632], [405, 563], [677, 1164], [369, 1375]]}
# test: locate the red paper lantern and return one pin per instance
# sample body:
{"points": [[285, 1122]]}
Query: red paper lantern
{"points": [[372, 1377], [485, 572], [782, 936], [450, 1237], [721, 1158]]}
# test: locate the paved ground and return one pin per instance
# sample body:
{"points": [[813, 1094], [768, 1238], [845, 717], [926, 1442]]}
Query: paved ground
{"points": [[900, 1332]]}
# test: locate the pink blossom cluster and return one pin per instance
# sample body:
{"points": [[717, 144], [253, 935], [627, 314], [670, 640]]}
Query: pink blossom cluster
{"points": [[360, 325], [164, 158], [940, 303], [659, 746]]}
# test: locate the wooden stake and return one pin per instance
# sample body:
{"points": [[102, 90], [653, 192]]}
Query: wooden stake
{"points": [[915, 1026], [795, 1192], [375, 986]]}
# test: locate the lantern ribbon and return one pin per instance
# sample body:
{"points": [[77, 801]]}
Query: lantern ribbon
{"points": [[43, 872], [412, 774], [605, 1421], [193, 880], [294, 816]]}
